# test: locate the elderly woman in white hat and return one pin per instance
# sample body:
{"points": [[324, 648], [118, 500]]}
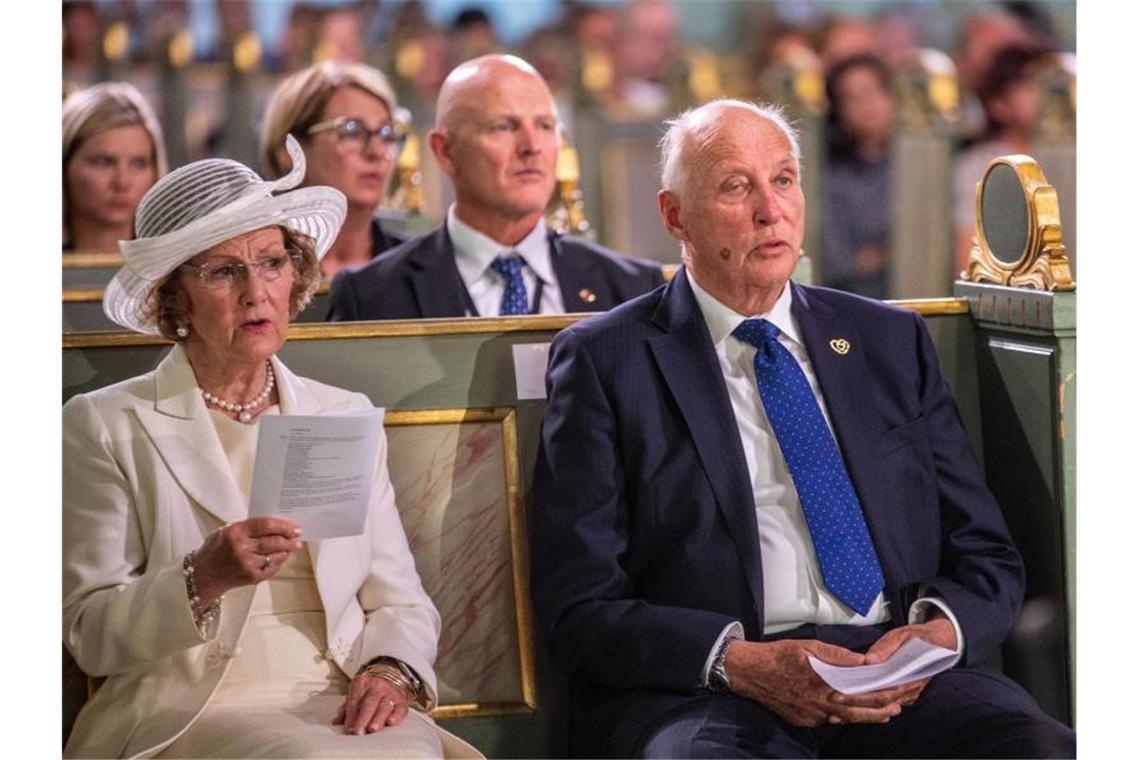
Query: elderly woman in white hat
{"points": [[216, 634]]}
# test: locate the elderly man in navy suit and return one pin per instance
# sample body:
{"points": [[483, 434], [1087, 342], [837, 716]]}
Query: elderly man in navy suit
{"points": [[496, 138], [737, 472]]}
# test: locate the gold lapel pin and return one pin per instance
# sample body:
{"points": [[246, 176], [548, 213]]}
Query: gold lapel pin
{"points": [[840, 346], [587, 295]]}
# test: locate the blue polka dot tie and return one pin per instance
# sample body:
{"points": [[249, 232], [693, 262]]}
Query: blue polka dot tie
{"points": [[514, 294], [843, 545]]}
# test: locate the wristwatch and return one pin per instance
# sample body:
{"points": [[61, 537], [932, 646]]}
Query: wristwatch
{"points": [[718, 675]]}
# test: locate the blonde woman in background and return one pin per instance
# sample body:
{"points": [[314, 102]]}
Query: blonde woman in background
{"points": [[113, 152], [345, 115]]}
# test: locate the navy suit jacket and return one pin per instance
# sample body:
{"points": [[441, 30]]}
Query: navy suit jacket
{"points": [[644, 538], [419, 279]]}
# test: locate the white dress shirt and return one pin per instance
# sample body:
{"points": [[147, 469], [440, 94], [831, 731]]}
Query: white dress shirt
{"points": [[794, 591], [474, 253]]}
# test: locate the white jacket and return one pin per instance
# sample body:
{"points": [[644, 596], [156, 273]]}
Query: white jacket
{"points": [[145, 479]]}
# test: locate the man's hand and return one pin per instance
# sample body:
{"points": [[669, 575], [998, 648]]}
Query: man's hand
{"points": [[938, 630], [777, 675]]}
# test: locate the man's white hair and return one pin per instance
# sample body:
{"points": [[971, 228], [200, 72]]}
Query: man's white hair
{"points": [[682, 128]]}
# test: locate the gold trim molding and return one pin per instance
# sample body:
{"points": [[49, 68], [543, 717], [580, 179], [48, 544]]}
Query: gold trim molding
{"points": [[403, 328], [92, 260], [1043, 264], [520, 570], [83, 295]]}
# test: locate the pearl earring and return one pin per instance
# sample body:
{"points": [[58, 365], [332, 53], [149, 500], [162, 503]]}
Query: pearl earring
{"points": [[182, 331]]}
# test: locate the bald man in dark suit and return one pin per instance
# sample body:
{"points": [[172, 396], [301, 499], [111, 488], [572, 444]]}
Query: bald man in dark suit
{"points": [[496, 138]]}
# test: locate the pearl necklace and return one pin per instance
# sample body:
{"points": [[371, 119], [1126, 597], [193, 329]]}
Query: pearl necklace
{"points": [[244, 410]]}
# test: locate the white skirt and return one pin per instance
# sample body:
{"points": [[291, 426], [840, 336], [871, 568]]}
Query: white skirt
{"points": [[280, 694]]}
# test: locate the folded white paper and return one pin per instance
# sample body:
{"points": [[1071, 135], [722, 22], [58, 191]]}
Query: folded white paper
{"points": [[316, 470], [913, 660]]}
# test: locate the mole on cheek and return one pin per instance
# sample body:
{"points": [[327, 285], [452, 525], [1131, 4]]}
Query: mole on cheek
{"points": [[725, 253]]}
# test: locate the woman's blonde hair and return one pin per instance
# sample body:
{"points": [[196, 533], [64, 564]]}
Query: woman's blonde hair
{"points": [[297, 103], [105, 106]]}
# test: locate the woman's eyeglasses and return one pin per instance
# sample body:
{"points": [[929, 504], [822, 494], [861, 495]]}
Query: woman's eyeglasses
{"points": [[226, 275], [353, 131]]}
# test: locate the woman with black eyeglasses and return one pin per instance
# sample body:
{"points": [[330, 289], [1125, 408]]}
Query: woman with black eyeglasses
{"points": [[213, 633], [347, 118]]}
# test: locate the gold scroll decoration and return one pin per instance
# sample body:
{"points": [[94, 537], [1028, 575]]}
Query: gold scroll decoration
{"points": [[566, 212], [1041, 262], [409, 194]]}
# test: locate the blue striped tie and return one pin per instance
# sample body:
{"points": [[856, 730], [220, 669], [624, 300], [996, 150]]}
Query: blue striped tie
{"points": [[843, 545], [514, 292]]}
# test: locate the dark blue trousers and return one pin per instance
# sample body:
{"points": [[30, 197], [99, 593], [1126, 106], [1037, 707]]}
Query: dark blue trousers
{"points": [[964, 712]]}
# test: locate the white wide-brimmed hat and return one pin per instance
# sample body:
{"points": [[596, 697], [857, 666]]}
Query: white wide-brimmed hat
{"points": [[205, 203]]}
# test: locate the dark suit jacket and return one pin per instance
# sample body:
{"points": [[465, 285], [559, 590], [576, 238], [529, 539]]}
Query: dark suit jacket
{"points": [[644, 537], [419, 279], [382, 239]]}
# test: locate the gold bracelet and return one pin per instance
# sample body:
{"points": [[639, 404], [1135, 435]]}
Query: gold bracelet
{"points": [[392, 675]]}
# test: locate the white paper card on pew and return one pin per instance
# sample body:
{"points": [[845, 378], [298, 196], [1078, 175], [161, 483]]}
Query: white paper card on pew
{"points": [[316, 470], [530, 370], [913, 660]]}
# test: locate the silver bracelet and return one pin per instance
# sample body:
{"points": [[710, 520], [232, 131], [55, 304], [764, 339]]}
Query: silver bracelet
{"points": [[203, 618], [398, 675]]}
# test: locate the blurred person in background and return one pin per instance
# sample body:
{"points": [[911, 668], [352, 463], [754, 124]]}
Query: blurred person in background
{"points": [[472, 34], [345, 115], [647, 46], [551, 50], [113, 151], [980, 36], [298, 38], [234, 20], [160, 22], [846, 36], [856, 184], [1010, 95], [1037, 19], [418, 53], [340, 34], [596, 26], [432, 71], [81, 25], [899, 32], [775, 42], [596, 38]]}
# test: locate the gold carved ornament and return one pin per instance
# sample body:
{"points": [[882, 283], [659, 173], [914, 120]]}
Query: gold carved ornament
{"points": [[409, 194], [566, 212], [1042, 263]]}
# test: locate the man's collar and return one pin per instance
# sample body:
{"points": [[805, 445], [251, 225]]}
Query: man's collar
{"points": [[722, 320], [475, 251]]}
